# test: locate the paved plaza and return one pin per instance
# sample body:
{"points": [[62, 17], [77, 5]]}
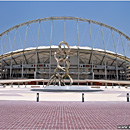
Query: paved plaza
{"points": [[101, 110], [25, 94]]}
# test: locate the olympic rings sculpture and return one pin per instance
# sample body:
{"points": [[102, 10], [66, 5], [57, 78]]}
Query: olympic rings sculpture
{"points": [[64, 59]]}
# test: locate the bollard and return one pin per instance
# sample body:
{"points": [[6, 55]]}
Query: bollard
{"points": [[37, 97], [43, 84], [18, 85], [127, 97], [82, 97], [105, 85], [112, 85]]}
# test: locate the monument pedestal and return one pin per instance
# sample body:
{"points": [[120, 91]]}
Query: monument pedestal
{"points": [[66, 89]]}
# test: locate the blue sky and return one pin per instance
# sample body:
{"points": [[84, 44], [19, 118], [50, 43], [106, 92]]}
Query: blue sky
{"points": [[115, 14]]}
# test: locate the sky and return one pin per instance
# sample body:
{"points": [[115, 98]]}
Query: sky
{"points": [[115, 14]]}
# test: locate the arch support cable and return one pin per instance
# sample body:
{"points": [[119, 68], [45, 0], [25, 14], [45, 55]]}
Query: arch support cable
{"points": [[11, 67], [13, 46], [24, 57], [64, 30], [64, 34], [50, 48], [1, 45], [91, 55], [105, 52], [2, 56], [78, 50], [124, 55], [116, 54], [10, 60], [37, 56], [129, 45], [5, 42]]}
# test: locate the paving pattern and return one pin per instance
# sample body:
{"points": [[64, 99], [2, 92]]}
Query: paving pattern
{"points": [[30, 115]]}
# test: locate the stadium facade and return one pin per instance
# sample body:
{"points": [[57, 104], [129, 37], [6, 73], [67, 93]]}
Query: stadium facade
{"points": [[87, 60]]}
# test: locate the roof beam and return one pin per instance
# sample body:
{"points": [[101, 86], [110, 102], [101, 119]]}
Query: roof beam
{"points": [[122, 64], [81, 59], [113, 62], [6, 62], [46, 60], [90, 58], [38, 57], [31, 56], [102, 60], [25, 58], [97, 57], [14, 60]]}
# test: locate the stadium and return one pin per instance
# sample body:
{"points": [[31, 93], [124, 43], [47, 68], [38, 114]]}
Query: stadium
{"points": [[98, 51]]}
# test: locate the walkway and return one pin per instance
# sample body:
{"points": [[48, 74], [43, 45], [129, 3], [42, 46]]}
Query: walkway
{"points": [[101, 110], [63, 115]]}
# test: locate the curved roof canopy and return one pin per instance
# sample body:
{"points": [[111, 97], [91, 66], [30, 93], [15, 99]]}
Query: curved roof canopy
{"points": [[19, 52]]}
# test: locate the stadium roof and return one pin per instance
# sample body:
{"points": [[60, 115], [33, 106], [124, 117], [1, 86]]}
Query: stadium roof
{"points": [[32, 49]]}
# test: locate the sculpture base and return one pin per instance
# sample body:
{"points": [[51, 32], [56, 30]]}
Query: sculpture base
{"points": [[66, 89]]}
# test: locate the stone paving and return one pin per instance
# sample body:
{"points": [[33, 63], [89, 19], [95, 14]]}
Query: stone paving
{"points": [[15, 115], [58, 111]]}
